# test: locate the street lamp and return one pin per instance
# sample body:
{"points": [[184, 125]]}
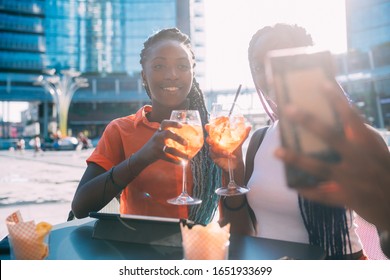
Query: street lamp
{"points": [[62, 87]]}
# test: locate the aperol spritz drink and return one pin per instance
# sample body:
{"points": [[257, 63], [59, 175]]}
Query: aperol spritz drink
{"points": [[228, 131], [192, 132]]}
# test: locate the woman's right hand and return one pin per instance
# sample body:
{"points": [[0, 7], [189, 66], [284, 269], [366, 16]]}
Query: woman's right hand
{"points": [[156, 149]]}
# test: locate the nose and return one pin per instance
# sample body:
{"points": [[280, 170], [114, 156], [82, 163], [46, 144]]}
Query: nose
{"points": [[171, 73]]}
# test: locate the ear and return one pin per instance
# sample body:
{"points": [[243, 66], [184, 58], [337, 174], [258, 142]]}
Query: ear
{"points": [[143, 77]]}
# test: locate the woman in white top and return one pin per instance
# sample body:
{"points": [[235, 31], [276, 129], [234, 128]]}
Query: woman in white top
{"points": [[271, 209]]}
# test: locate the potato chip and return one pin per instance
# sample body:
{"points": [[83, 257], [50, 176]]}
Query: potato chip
{"points": [[42, 230], [44, 251]]}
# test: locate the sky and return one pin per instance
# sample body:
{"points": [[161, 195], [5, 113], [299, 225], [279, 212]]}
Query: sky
{"points": [[230, 25]]}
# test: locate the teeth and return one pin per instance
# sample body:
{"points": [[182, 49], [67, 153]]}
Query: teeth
{"points": [[171, 88]]}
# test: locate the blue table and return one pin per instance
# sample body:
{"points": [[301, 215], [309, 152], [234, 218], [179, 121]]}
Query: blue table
{"points": [[73, 241]]}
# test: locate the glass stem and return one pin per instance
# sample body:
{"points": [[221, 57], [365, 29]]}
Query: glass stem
{"points": [[231, 175], [184, 188]]}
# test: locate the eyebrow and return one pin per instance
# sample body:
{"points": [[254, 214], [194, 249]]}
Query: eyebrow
{"points": [[164, 58]]}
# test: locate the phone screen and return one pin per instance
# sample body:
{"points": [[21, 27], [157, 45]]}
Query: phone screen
{"points": [[296, 76]]}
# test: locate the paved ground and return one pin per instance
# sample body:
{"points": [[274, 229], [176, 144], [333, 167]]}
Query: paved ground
{"points": [[40, 186]]}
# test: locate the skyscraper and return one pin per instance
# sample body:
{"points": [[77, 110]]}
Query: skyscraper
{"points": [[106, 36], [366, 71], [100, 38], [22, 48], [368, 23]]}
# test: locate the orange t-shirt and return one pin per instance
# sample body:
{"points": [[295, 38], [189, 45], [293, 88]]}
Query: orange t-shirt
{"points": [[147, 194]]}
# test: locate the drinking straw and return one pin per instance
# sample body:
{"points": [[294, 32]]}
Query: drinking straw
{"points": [[235, 99]]}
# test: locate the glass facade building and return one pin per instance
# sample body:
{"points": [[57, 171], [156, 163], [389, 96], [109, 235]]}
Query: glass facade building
{"points": [[62, 34], [22, 48], [100, 38], [368, 23], [106, 36], [365, 70]]}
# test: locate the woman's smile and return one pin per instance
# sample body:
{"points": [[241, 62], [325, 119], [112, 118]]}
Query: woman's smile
{"points": [[171, 89]]}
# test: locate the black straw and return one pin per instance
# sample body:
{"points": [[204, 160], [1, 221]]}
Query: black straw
{"points": [[235, 99]]}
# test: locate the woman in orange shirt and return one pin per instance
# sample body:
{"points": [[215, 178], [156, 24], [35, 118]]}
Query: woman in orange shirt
{"points": [[130, 158]]}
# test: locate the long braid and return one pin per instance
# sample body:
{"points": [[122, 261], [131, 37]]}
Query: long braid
{"points": [[205, 173], [326, 226]]}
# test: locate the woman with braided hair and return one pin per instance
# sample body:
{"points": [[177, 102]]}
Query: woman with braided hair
{"points": [[131, 158], [271, 209]]}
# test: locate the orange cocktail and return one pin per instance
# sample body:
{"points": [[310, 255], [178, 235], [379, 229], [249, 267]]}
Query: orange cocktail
{"points": [[227, 132], [193, 134], [191, 130]]}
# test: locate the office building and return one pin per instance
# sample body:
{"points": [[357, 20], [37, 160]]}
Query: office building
{"points": [[365, 69], [100, 38], [22, 49], [106, 36]]}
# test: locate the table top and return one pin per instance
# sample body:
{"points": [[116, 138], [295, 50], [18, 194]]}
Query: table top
{"points": [[73, 241]]}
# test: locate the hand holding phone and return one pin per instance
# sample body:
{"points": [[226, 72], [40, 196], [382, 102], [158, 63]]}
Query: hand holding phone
{"points": [[295, 77]]}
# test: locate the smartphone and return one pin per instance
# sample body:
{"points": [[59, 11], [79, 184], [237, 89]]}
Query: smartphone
{"points": [[295, 76]]}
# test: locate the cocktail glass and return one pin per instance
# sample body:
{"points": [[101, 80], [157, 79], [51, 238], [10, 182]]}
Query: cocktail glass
{"points": [[227, 129], [192, 132]]}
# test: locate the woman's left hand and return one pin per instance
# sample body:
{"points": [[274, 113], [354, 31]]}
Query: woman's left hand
{"points": [[220, 156], [361, 179]]}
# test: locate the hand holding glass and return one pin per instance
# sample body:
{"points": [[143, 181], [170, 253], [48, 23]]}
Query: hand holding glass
{"points": [[227, 130], [192, 132]]}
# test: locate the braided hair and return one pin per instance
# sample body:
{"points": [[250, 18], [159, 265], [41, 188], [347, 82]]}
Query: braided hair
{"points": [[326, 226], [205, 173]]}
